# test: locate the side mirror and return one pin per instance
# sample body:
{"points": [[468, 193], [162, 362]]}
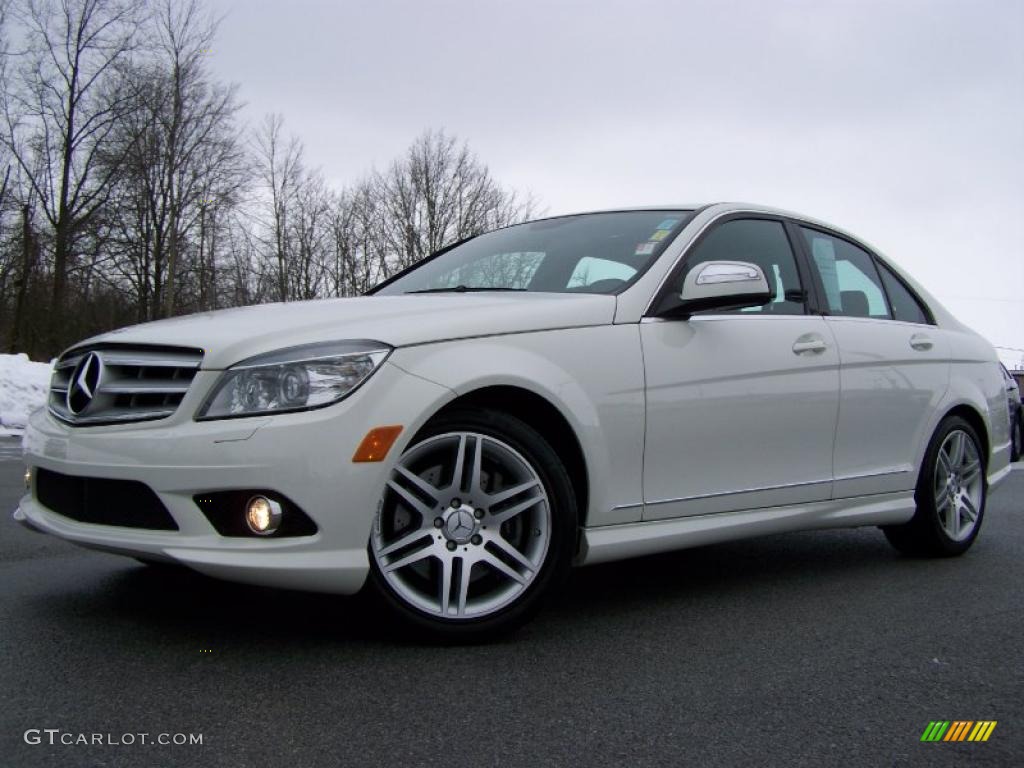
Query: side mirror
{"points": [[723, 285]]}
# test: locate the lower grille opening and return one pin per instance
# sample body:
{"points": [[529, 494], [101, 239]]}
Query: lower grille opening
{"points": [[125, 503]]}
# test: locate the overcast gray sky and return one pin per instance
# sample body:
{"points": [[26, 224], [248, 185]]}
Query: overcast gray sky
{"points": [[901, 121]]}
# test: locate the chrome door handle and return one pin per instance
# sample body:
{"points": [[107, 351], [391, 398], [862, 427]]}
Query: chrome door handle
{"points": [[809, 343], [921, 343]]}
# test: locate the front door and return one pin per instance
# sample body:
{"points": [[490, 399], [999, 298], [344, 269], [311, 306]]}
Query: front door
{"points": [[741, 406]]}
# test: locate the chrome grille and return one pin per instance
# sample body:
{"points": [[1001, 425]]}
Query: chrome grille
{"points": [[113, 384]]}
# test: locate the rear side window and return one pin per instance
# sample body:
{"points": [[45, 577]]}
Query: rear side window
{"points": [[905, 305], [852, 285], [756, 241]]}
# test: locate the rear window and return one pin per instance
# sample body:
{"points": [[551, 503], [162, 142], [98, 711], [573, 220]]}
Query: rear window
{"points": [[905, 306]]}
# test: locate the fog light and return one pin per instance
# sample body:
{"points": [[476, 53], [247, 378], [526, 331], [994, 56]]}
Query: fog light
{"points": [[28, 478], [262, 515]]}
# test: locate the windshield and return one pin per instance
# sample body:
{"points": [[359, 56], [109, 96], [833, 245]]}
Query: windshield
{"points": [[588, 253]]}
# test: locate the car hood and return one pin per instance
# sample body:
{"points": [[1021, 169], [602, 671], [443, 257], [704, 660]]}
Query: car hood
{"points": [[230, 335]]}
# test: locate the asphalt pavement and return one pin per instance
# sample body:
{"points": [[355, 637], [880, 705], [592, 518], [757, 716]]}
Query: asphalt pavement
{"points": [[814, 649]]}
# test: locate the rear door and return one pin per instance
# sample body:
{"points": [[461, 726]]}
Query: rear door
{"points": [[894, 365], [741, 406]]}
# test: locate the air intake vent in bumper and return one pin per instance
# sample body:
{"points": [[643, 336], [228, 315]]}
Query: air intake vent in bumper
{"points": [[112, 384], [126, 503]]}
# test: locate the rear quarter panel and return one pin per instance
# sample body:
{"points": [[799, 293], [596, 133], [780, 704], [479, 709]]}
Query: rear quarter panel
{"points": [[976, 381]]}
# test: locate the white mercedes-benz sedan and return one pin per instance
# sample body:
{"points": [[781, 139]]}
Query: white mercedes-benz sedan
{"points": [[567, 391]]}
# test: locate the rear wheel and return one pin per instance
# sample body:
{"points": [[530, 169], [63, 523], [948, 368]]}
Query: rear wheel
{"points": [[475, 527], [950, 495], [160, 564], [1017, 437]]}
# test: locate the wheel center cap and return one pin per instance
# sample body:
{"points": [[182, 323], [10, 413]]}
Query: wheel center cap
{"points": [[459, 524]]}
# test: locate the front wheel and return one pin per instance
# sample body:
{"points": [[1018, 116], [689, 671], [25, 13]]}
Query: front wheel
{"points": [[950, 495], [475, 527]]}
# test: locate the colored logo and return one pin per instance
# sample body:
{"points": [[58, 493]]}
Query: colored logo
{"points": [[958, 730]]}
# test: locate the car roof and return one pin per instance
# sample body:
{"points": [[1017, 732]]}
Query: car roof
{"points": [[719, 206], [939, 312]]}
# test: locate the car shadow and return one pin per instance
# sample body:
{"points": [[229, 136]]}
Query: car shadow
{"points": [[737, 566], [177, 602]]}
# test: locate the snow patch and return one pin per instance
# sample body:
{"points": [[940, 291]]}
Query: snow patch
{"points": [[23, 386]]}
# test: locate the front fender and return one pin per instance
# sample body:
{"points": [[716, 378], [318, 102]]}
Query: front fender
{"points": [[593, 376]]}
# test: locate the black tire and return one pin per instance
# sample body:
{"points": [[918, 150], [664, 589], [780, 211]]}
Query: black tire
{"points": [[1017, 436], [924, 535], [160, 564], [554, 569]]}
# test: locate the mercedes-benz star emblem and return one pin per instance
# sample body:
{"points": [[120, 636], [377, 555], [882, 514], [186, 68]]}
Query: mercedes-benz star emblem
{"points": [[85, 381], [461, 525]]}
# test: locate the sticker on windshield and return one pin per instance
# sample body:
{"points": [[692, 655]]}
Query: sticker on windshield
{"points": [[646, 249], [668, 223], [660, 235]]}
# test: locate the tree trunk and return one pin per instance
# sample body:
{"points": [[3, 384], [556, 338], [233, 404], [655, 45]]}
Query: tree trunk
{"points": [[172, 265], [23, 280]]}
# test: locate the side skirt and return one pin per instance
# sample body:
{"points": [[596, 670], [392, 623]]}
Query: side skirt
{"points": [[618, 542]]}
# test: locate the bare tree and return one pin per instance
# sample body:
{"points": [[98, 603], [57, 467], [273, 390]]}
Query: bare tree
{"points": [[437, 194], [182, 161], [61, 109], [282, 173], [126, 187], [351, 267]]}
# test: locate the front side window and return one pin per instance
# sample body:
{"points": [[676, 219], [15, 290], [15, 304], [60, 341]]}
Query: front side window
{"points": [[757, 241], [848, 275], [588, 253]]}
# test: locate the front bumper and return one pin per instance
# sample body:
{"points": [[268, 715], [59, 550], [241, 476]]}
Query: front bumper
{"points": [[304, 456]]}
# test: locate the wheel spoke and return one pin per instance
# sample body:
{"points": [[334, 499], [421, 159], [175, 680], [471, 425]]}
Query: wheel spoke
{"points": [[497, 518], [508, 493], [953, 519], [942, 498], [476, 473], [409, 498], [409, 559], [422, 485], [460, 464], [956, 449], [970, 471], [404, 542], [944, 462], [969, 510], [446, 584], [505, 546], [502, 567], [467, 570]]}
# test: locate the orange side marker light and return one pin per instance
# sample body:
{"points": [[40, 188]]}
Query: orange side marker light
{"points": [[377, 443]]}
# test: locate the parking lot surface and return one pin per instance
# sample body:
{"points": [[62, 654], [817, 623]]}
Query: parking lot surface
{"points": [[814, 649]]}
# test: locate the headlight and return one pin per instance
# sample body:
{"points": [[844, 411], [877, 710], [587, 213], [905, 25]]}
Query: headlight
{"points": [[294, 379]]}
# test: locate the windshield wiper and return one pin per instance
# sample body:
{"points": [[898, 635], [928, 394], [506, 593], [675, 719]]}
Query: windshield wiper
{"points": [[463, 289]]}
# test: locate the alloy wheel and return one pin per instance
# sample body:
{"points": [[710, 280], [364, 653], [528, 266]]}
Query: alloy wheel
{"points": [[959, 485], [463, 526]]}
